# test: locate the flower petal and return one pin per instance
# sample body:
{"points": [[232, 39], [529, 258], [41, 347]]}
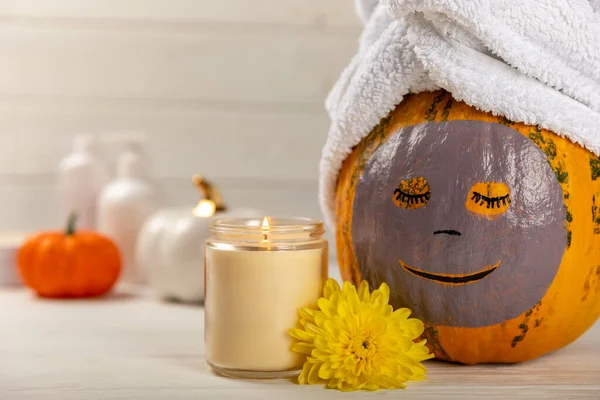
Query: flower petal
{"points": [[363, 291], [402, 313], [344, 386], [303, 377], [372, 387], [418, 373], [321, 342], [348, 287], [321, 354], [313, 375], [327, 307], [303, 348], [343, 311], [413, 327], [301, 335], [320, 319], [381, 296], [306, 313], [354, 302], [420, 353], [332, 384], [325, 372], [312, 328], [331, 286], [331, 329]]}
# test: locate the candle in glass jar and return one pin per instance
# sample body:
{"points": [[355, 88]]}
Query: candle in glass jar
{"points": [[258, 274]]}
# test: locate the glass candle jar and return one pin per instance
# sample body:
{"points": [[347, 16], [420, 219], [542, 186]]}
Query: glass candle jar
{"points": [[258, 273]]}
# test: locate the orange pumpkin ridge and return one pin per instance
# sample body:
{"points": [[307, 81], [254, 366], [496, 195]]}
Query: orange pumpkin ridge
{"points": [[70, 264], [572, 302]]}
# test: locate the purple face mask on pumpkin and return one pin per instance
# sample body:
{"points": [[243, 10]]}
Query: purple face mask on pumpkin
{"points": [[450, 251]]}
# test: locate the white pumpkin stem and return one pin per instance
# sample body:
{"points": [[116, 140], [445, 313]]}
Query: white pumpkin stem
{"points": [[209, 191]]}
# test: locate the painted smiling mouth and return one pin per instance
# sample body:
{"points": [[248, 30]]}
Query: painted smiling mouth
{"points": [[451, 279]]}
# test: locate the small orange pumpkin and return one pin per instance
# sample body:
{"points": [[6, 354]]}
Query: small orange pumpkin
{"points": [[69, 264]]}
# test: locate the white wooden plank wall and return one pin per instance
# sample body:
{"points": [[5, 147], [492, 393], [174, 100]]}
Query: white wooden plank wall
{"points": [[230, 88]]}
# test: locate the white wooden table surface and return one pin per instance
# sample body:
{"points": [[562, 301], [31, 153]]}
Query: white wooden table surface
{"points": [[131, 346]]}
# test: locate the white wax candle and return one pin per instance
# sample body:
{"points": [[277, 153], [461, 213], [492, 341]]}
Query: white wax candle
{"points": [[252, 299]]}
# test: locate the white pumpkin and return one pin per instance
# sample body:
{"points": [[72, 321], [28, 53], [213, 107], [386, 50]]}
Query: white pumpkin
{"points": [[170, 246]]}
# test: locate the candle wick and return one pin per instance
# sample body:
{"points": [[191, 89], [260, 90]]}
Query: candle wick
{"points": [[265, 235]]}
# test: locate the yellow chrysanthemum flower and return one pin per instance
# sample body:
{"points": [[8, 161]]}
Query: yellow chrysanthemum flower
{"points": [[356, 341]]}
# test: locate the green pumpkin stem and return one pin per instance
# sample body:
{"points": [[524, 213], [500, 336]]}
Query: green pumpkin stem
{"points": [[71, 224]]}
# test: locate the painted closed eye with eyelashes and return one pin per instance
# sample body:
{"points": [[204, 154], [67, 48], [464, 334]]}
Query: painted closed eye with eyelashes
{"points": [[489, 199], [402, 197], [412, 193]]}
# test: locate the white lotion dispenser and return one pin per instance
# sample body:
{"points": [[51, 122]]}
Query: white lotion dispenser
{"points": [[81, 176], [125, 204]]}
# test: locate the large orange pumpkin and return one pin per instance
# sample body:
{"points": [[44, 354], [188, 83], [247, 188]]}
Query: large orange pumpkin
{"points": [[69, 264], [489, 230]]}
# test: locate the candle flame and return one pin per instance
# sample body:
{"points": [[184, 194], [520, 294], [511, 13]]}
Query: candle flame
{"points": [[205, 209], [265, 223]]}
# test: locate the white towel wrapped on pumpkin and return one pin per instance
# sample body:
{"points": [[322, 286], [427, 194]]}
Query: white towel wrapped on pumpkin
{"points": [[536, 62]]}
